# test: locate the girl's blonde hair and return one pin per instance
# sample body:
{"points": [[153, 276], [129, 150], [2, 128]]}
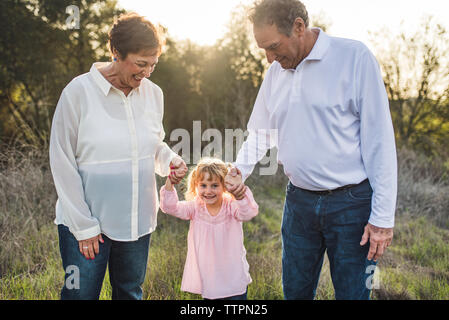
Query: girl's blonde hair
{"points": [[213, 166]]}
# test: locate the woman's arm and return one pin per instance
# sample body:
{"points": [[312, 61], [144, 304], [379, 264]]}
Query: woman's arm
{"points": [[68, 183], [164, 156]]}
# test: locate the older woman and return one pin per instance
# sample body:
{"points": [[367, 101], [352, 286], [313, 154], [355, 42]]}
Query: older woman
{"points": [[106, 146]]}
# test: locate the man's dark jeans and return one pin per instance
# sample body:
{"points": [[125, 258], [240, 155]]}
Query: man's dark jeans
{"points": [[84, 278], [313, 223]]}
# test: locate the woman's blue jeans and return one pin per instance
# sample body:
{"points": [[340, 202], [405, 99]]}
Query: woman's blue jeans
{"points": [[313, 223], [83, 280]]}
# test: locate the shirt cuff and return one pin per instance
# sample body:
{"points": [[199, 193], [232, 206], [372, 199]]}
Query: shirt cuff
{"points": [[381, 223], [164, 190], [244, 170], [86, 234], [171, 156]]}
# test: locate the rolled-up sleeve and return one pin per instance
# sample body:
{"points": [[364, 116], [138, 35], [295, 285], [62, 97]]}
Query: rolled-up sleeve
{"points": [[377, 142], [66, 177]]}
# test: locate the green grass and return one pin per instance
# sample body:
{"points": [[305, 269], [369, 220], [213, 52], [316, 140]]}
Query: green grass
{"points": [[416, 266]]}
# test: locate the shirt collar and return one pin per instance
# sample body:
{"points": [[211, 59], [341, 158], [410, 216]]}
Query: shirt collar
{"points": [[104, 85], [319, 48], [99, 79]]}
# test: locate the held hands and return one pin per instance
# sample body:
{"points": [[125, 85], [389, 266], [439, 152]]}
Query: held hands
{"points": [[379, 238], [234, 184], [178, 170]]}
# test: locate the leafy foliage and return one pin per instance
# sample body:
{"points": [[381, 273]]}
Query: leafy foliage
{"points": [[416, 75], [216, 84], [39, 55]]}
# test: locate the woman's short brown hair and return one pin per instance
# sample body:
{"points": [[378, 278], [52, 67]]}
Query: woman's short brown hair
{"points": [[132, 33]]}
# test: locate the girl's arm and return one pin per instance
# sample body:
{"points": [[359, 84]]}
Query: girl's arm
{"points": [[246, 208], [172, 206], [169, 185]]}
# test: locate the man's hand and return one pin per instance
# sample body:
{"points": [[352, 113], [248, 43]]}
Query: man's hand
{"points": [[234, 184], [379, 238], [178, 170]]}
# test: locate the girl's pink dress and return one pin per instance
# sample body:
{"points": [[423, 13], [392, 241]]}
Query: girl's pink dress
{"points": [[216, 265]]}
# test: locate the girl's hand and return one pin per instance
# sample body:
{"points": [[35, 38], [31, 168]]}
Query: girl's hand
{"points": [[178, 170], [234, 184], [90, 247]]}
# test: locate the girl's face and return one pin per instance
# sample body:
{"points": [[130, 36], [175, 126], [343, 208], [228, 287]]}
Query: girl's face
{"points": [[210, 189]]}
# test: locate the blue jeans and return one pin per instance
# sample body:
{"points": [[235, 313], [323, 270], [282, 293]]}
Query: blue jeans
{"points": [[84, 278], [313, 223]]}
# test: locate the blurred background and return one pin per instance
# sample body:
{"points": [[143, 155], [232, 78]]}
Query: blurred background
{"points": [[211, 71]]}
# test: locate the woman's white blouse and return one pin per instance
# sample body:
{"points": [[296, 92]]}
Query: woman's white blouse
{"points": [[105, 148]]}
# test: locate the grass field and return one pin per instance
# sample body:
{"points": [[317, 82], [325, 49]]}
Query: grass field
{"points": [[416, 266]]}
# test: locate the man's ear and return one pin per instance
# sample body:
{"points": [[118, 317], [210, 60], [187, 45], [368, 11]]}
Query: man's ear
{"points": [[299, 27]]}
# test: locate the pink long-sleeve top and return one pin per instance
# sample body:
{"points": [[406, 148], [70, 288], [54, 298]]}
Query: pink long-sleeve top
{"points": [[216, 265]]}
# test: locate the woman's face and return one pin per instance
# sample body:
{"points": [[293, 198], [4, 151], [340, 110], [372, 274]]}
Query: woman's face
{"points": [[137, 66], [210, 189]]}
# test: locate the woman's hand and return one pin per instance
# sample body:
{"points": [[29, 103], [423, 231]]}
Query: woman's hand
{"points": [[178, 170], [234, 184], [90, 247]]}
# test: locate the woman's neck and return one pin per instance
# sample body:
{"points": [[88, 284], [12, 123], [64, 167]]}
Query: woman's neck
{"points": [[112, 74]]}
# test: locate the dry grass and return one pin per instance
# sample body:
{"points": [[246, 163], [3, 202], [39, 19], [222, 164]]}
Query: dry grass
{"points": [[27, 201], [415, 267]]}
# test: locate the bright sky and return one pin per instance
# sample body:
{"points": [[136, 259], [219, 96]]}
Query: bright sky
{"points": [[204, 21]]}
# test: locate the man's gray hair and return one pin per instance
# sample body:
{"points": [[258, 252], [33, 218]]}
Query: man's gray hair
{"points": [[282, 13]]}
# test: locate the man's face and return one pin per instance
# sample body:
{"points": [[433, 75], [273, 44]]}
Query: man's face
{"points": [[288, 51]]}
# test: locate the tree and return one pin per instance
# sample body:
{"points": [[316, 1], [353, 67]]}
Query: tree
{"points": [[233, 74], [39, 55], [416, 76]]}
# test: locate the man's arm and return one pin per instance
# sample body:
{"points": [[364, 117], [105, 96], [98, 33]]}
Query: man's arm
{"points": [[259, 139], [378, 153]]}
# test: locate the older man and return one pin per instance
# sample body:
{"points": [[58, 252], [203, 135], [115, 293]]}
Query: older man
{"points": [[326, 98]]}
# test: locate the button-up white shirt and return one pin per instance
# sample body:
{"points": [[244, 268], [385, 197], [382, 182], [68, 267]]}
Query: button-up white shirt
{"points": [[333, 124], [105, 148]]}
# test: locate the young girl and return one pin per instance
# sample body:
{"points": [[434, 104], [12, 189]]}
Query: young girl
{"points": [[216, 265]]}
